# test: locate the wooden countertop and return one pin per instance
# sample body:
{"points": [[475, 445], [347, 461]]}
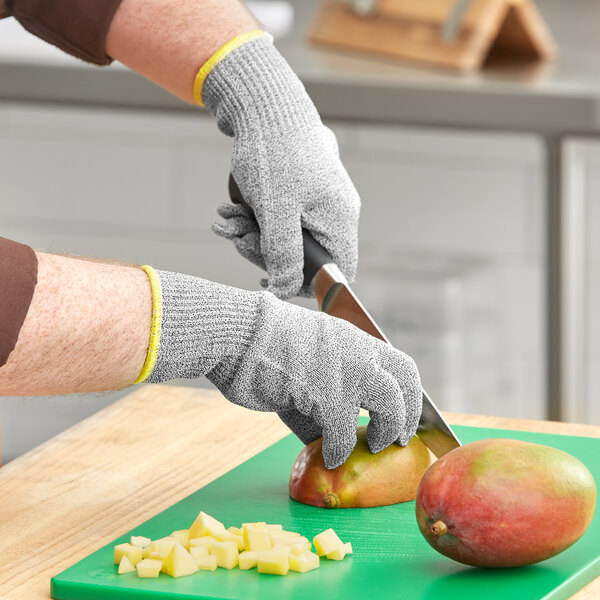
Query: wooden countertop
{"points": [[113, 471]]}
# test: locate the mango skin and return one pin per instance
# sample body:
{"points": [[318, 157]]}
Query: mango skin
{"points": [[505, 503], [364, 480]]}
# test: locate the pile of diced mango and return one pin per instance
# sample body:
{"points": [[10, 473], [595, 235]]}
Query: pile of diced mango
{"points": [[208, 544]]}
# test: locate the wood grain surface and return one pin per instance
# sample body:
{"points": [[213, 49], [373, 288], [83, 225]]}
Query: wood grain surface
{"points": [[113, 471]]}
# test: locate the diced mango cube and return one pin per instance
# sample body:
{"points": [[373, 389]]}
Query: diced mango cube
{"points": [[226, 554], [182, 536], [248, 560], [240, 543], [199, 552], [165, 546], [125, 565], [205, 540], [149, 567], [205, 525], [256, 538], [133, 553], [162, 546], [337, 554], [300, 546], [283, 535], [235, 530], [326, 542], [307, 561], [340, 553], [281, 549], [272, 563], [164, 549], [246, 526], [180, 562], [140, 540], [207, 563], [228, 536], [274, 527]]}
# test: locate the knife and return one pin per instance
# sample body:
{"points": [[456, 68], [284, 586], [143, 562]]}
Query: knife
{"points": [[452, 25], [335, 298]]}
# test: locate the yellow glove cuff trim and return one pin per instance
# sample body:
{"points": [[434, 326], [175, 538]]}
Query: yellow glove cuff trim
{"points": [[154, 342], [217, 57]]}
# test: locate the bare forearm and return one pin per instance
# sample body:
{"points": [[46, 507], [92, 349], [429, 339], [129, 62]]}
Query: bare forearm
{"points": [[167, 41], [87, 329]]}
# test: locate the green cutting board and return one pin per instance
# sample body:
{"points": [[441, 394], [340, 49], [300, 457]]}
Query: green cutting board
{"points": [[390, 560]]}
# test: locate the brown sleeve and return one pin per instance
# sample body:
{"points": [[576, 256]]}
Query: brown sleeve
{"points": [[78, 27], [4, 9], [18, 278]]}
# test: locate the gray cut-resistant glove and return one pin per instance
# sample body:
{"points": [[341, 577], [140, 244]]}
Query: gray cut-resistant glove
{"points": [[314, 370], [286, 164]]}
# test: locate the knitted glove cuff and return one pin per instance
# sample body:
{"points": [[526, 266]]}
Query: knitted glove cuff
{"points": [[254, 88], [203, 323]]}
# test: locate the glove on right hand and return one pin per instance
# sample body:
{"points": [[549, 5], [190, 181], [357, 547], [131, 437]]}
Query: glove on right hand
{"points": [[314, 370]]}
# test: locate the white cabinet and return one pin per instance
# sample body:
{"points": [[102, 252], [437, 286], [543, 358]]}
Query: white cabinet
{"points": [[452, 260], [592, 314], [452, 253]]}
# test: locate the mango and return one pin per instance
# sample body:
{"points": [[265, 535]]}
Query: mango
{"points": [[205, 525], [307, 561], [205, 540], [179, 562], [149, 568], [140, 540], [207, 563], [199, 552], [133, 553], [505, 503], [272, 563], [326, 542], [226, 554], [364, 480], [125, 566], [256, 537], [182, 536], [248, 560]]}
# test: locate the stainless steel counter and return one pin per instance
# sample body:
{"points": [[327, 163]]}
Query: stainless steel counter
{"points": [[558, 101]]}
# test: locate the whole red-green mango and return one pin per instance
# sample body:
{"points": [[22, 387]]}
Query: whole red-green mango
{"points": [[505, 503], [364, 480]]}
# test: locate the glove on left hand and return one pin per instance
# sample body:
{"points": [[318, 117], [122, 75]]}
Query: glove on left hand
{"points": [[286, 164]]}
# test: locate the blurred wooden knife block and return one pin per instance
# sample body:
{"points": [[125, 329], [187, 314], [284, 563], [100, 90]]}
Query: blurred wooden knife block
{"points": [[413, 30]]}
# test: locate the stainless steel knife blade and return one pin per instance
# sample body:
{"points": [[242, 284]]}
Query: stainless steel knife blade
{"points": [[337, 299], [452, 25]]}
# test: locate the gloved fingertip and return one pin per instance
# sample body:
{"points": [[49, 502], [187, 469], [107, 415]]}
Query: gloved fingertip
{"points": [[377, 447], [333, 461], [338, 442], [379, 438], [221, 230], [403, 440], [228, 211]]}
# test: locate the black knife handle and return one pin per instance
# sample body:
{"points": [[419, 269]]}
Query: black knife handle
{"points": [[315, 256]]}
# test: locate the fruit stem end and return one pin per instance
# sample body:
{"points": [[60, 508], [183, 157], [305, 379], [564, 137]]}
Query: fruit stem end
{"points": [[439, 528], [331, 500]]}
